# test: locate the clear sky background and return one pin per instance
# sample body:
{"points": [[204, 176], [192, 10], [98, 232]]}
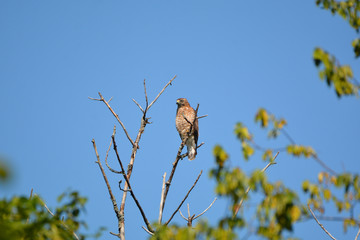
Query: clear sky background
{"points": [[231, 57]]}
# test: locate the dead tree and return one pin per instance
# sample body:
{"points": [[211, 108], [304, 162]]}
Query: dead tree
{"points": [[126, 174]]}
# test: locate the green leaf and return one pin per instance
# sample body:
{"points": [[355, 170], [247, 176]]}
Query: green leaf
{"points": [[263, 117], [242, 132], [327, 194], [220, 155]]}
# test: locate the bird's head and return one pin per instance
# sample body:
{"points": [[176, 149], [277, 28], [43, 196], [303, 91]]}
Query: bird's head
{"points": [[182, 102]]}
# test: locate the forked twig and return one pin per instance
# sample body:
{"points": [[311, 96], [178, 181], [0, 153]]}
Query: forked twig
{"points": [[248, 189], [169, 83], [312, 213], [190, 219], [107, 154], [197, 179], [115, 115]]}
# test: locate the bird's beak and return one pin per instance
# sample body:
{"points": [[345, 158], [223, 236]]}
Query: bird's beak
{"points": [[177, 101]]}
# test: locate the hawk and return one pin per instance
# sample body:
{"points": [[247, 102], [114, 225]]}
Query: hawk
{"points": [[187, 126]]}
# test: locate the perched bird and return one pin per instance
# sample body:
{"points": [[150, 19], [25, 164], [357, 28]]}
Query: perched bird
{"points": [[187, 126]]}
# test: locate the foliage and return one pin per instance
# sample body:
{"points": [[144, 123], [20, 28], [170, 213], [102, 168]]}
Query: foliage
{"points": [[349, 10], [27, 218], [4, 171], [341, 76], [202, 230], [278, 208]]}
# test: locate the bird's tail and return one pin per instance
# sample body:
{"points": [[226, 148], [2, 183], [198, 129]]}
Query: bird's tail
{"points": [[191, 151]]}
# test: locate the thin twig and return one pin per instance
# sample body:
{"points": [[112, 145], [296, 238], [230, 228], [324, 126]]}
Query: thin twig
{"points": [[182, 215], [127, 190], [146, 230], [248, 189], [188, 209], [317, 159], [190, 219], [288, 136], [357, 235], [205, 209], [202, 116], [107, 154], [162, 198], [312, 213], [115, 115], [146, 97], [130, 188], [197, 179], [324, 165], [113, 200], [137, 104], [169, 83], [336, 218], [117, 235]]}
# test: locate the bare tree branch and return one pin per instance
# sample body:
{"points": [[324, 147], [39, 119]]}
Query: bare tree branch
{"points": [[107, 154], [119, 216], [248, 189], [144, 122], [129, 186], [182, 215], [146, 97], [312, 213], [175, 163], [190, 219], [135, 147], [169, 83], [162, 198], [357, 235], [146, 230], [115, 115], [184, 199], [137, 104]]}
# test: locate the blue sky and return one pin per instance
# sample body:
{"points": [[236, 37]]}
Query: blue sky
{"points": [[231, 57]]}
